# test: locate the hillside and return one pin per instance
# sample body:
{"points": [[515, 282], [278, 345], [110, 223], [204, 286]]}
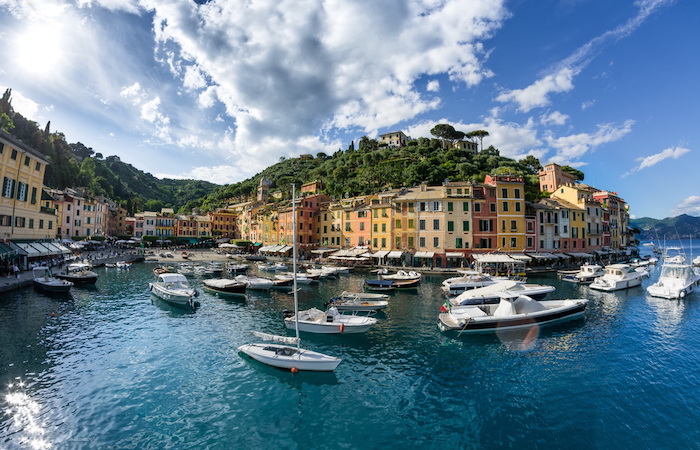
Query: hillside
{"points": [[679, 227]]}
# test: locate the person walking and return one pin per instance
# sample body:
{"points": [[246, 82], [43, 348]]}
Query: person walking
{"points": [[15, 270]]}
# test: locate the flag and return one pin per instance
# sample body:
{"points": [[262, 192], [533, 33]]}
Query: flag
{"points": [[447, 306]]}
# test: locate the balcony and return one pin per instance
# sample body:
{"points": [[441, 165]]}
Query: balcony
{"points": [[45, 210]]}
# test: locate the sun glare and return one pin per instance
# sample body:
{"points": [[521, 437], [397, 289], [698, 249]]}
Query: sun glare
{"points": [[39, 49]]}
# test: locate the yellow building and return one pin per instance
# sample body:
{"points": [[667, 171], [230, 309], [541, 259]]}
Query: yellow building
{"points": [[381, 223], [581, 195], [458, 229], [510, 205], [22, 170]]}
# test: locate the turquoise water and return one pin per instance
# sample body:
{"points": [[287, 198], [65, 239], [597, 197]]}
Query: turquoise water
{"points": [[112, 367]]}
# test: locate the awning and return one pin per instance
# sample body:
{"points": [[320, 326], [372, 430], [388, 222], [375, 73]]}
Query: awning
{"points": [[49, 247], [494, 258], [5, 250], [424, 254], [284, 248], [32, 251], [380, 254], [454, 255], [395, 254], [542, 255], [64, 250], [580, 255], [321, 251], [520, 257]]}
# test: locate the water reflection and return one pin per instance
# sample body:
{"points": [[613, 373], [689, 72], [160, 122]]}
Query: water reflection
{"points": [[22, 421], [669, 314]]}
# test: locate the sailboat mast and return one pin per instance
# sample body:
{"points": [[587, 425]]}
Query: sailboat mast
{"points": [[294, 263]]}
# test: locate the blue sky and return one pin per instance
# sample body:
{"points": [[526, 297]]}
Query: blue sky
{"points": [[219, 90]]}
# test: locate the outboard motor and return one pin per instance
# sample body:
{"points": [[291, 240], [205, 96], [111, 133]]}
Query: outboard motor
{"points": [[287, 313]]}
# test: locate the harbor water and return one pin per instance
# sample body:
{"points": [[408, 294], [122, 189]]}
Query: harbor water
{"points": [[111, 366]]}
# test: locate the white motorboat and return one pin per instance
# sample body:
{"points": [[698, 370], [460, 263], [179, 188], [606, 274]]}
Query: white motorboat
{"points": [[329, 322], [45, 281], [173, 288], [492, 294], [123, 265], [674, 255], [696, 261], [402, 275], [256, 283], [359, 302], [79, 273], [224, 286], [586, 274], [509, 314], [301, 278], [619, 276], [675, 281], [283, 355], [468, 280]]}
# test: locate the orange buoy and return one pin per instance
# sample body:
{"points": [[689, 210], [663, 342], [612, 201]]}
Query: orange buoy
{"points": [[53, 314], [295, 370]]}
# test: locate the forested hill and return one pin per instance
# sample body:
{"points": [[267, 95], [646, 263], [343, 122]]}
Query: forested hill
{"points": [[76, 165], [679, 227]]}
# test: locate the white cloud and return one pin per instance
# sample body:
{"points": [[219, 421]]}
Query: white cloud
{"points": [[288, 71], [652, 160], [690, 206], [560, 78], [433, 86], [555, 118], [571, 148], [587, 104]]}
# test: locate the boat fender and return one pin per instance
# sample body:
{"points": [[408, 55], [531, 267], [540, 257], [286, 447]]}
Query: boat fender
{"points": [[342, 327], [683, 293], [150, 287]]}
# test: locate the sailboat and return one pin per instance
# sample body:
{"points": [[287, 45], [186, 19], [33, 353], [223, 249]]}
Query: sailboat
{"points": [[285, 352]]}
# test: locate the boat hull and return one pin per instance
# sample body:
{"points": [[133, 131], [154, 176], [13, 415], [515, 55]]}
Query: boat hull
{"points": [[616, 286], [276, 355], [88, 279], [53, 287], [172, 296], [330, 327]]}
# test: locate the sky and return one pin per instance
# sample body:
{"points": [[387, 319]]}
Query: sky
{"points": [[219, 90]]}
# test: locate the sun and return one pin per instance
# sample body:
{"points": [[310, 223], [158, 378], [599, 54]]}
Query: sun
{"points": [[39, 50]]}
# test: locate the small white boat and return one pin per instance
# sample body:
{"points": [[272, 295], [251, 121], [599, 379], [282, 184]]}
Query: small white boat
{"points": [[359, 302], [402, 275], [674, 255], [173, 288], [225, 286], [468, 280], [492, 294], [675, 281], [256, 283], [696, 261], [329, 322], [586, 274], [285, 356], [509, 314], [123, 265], [619, 276], [44, 281], [79, 273]]}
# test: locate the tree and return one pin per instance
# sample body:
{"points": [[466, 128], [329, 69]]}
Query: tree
{"points": [[6, 123], [446, 133], [6, 102], [479, 134], [531, 163], [578, 175]]}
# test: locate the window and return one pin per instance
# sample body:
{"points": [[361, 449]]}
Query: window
{"points": [[450, 226], [376, 228], [410, 241], [421, 242], [436, 224], [41, 224], [465, 225], [397, 242], [504, 193], [411, 223], [484, 225], [517, 193], [422, 206], [421, 224], [383, 242], [383, 228], [465, 206], [37, 167], [347, 226], [436, 206], [397, 223], [449, 206], [362, 226], [517, 206], [477, 207], [513, 225], [347, 215], [8, 188], [31, 223], [458, 243], [436, 242], [22, 191], [513, 242], [14, 154], [493, 207], [505, 206]]}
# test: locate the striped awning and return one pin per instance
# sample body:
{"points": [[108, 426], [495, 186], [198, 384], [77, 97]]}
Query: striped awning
{"points": [[395, 254], [424, 254]]}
